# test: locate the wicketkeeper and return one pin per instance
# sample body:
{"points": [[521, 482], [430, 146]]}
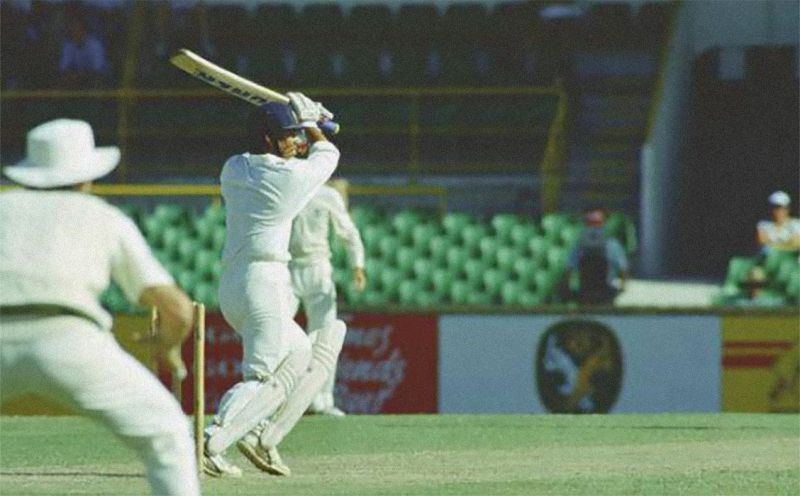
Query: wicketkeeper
{"points": [[312, 273], [264, 189], [59, 249]]}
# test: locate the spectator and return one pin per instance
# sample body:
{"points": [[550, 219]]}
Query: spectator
{"points": [[782, 232], [83, 62], [600, 262], [754, 294]]}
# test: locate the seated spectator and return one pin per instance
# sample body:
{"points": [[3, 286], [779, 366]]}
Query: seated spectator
{"points": [[83, 62], [754, 294], [783, 231], [600, 262]]}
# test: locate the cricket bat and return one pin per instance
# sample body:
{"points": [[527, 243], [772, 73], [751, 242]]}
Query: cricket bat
{"points": [[233, 84]]}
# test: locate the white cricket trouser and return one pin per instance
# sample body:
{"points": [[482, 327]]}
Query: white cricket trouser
{"points": [[68, 359], [255, 299], [313, 285]]}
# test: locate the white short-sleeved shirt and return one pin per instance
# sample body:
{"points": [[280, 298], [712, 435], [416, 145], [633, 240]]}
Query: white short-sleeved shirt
{"points": [[311, 229], [263, 193], [780, 234], [63, 248]]}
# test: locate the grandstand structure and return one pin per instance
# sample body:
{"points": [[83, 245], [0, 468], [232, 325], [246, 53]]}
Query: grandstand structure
{"points": [[520, 113]]}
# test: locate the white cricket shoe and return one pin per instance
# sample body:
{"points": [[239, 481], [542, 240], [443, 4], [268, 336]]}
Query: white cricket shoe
{"points": [[267, 460], [332, 411], [218, 466]]}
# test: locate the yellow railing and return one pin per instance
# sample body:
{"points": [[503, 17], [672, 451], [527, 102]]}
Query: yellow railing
{"points": [[552, 168], [213, 191]]}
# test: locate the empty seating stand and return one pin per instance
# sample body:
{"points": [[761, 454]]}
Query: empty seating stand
{"points": [[416, 259]]}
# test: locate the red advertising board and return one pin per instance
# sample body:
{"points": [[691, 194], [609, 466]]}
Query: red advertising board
{"points": [[388, 364]]}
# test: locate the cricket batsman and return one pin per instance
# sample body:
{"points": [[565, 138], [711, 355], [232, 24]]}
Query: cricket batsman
{"points": [[263, 190], [59, 249], [312, 273]]}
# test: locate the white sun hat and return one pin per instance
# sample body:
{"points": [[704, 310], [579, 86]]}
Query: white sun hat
{"points": [[61, 153], [780, 199]]}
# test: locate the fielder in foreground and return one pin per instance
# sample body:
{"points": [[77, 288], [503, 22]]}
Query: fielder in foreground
{"points": [[312, 273], [264, 189], [59, 249]]}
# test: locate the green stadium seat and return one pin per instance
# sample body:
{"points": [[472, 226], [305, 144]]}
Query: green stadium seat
{"points": [[775, 259], [570, 235], [509, 292], [427, 299], [529, 299], [437, 249], [502, 225], [186, 249], [207, 264], [488, 248], [537, 249], [407, 291], [206, 293], [552, 224], [471, 236], [390, 279], [455, 222], [442, 281], [405, 258], [506, 256], [493, 280], [170, 213], [473, 270], [793, 288], [403, 224], [557, 258], [787, 269], [459, 292], [521, 234], [546, 282], [371, 236], [421, 236], [738, 269], [171, 238], [388, 246], [479, 298], [524, 269], [153, 229], [364, 215], [187, 280], [218, 239], [375, 298], [456, 258], [373, 267], [423, 271]]}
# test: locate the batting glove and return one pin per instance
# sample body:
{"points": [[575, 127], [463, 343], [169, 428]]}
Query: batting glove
{"points": [[307, 110]]}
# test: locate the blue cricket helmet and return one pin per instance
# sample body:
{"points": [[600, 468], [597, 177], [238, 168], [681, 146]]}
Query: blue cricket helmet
{"points": [[272, 119]]}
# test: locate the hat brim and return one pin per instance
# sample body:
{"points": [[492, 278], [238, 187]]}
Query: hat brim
{"points": [[101, 162]]}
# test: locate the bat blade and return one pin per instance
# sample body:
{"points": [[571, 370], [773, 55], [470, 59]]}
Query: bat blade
{"points": [[223, 79]]}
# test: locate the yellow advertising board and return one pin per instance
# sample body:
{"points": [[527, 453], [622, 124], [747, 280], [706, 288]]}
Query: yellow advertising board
{"points": [[125, 327], [760, 369]]}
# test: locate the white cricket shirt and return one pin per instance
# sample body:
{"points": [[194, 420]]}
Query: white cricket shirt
{"points": [[63, 248], [263, 193], [310, 230]]}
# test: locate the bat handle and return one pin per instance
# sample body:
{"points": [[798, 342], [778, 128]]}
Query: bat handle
{"points": [[330, 128]]}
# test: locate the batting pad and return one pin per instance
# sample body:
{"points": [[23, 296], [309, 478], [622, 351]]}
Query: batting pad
{"points": [[324, 354], [250, 402]]}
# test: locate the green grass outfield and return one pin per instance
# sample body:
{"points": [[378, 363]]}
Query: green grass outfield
{"points": [[444, 455]]}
